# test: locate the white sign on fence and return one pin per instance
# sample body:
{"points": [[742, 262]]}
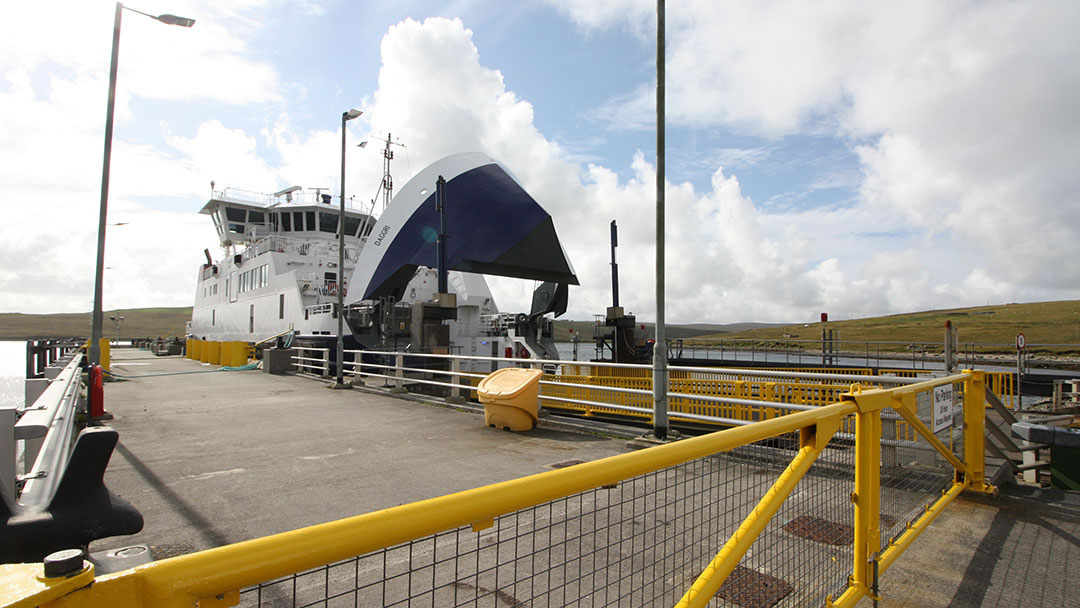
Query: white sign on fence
{"points": [[942, 407]]}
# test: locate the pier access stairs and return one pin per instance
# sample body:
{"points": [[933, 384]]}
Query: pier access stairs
{"points": [[1006, 456]]}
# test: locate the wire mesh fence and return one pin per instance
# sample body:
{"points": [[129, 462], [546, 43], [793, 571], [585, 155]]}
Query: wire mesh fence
{"points": [[641, 542], [913, 473]]}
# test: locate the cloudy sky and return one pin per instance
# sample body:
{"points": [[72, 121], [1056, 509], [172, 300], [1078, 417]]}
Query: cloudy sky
{"points": [[859, 158]]}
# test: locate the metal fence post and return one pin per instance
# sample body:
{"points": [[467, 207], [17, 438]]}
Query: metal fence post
{"points": [[326, 363], [455, 370], [975, 431], [867, 495], [7, 453], [399, 371]]}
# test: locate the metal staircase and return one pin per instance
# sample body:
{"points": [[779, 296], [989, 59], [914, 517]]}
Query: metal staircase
{"points": [[1005, 456]]}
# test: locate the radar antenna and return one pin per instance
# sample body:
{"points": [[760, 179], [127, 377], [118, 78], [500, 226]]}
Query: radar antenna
{"points": [[386, 188]]}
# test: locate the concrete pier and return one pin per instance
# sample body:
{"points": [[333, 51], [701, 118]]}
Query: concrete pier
{"points": [[213, 457]]}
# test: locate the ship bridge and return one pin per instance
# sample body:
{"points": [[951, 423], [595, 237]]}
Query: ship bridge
{"points": [[241, 217]]}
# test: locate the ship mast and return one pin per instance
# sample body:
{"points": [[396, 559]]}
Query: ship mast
{"points": [[386, 188]]}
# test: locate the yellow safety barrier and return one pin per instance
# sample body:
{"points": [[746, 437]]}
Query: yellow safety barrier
{"points": [[195, 350], [214, 358], [234, 354], [218, 577]]}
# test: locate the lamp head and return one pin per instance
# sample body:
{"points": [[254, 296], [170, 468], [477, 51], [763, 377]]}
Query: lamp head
{"points": [[351, 114], [174, 20]]}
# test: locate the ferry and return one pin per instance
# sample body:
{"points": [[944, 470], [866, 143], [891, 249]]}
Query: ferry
{"points": [[278, 272]]}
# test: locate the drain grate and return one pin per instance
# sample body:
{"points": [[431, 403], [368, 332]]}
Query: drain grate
{"points": [[821, 530], [752, 589], [566, 463]]}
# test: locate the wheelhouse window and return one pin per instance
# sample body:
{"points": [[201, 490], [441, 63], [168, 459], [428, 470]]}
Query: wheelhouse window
{"points": [[286, 221], [255, 217], [310, 217], [351, 225], [327, 222], [235, 217]]}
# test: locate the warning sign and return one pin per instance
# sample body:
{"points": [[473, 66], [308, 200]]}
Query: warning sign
{"points": [[942, 407]]}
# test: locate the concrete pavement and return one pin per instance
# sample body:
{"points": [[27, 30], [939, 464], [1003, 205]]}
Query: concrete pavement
{"points": [[214, 457], [218, 457]]}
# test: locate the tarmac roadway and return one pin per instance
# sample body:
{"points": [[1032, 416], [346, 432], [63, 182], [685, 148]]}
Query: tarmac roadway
{"points": [[211, 458]]}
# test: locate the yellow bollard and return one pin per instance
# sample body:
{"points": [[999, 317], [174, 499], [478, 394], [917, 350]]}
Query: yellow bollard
{"points": [[204, 354], [187, 348], [239, 354], [195, 350], [215, 354], [106, 357]]}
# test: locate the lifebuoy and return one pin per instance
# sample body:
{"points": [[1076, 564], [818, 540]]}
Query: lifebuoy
{"points": [[523, 353]]}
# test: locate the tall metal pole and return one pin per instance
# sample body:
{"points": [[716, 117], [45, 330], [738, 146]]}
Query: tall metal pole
{"points": [[341, 263], [614, 265], [97, 319], [440, 251], [660, 371]]}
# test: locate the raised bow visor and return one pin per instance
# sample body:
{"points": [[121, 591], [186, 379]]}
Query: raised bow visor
{"points": [[493, 227]]}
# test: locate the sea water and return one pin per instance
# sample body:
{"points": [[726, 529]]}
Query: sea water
{"points": [[12, 372]]}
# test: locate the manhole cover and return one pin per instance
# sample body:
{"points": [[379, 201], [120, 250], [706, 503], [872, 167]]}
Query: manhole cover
{"points": [[566, 463], [821, 530], [753, 589]]}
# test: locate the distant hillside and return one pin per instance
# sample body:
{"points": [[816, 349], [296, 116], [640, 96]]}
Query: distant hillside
{"points": [[1040, 322], [585, 328], [138, 322]]}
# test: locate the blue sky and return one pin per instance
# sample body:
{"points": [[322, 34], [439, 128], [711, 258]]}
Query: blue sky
{"points": [[852, 157]]}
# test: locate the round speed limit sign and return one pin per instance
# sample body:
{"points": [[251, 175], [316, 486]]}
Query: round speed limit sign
{"points": [[1020, 341]]}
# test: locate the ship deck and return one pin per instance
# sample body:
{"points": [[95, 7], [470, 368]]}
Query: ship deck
{"points": [[214, 457]]}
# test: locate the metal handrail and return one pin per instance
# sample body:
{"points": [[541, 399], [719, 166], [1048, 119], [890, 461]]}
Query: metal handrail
{"points": [[53, 417], [216, 575]]}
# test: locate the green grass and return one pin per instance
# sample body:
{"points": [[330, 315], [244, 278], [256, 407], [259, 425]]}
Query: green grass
{"points": [[1040, 322], [137, 323]]}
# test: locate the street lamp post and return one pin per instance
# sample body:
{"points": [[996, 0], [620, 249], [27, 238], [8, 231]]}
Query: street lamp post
{"points": [[97, 318], [118, 320], [345, 117]]}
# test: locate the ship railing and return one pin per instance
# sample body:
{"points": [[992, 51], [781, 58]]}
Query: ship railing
{"points": [[243, 196], [299, 246], [775, 511], [318, 309], [496, 324], [43, 435], [311, 285], [312, 361]]}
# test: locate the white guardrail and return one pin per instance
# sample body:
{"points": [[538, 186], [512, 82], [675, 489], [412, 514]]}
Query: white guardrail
{"points": [[312, 361], [451, 367], [45, 431]]}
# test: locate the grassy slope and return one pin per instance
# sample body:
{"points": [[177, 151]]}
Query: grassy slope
{"points": [[138, 322], [1040, 322], [585, 328]]}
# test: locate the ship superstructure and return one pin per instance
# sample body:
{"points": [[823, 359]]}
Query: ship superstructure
{"points": [[279, 265], [279, 273]]}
